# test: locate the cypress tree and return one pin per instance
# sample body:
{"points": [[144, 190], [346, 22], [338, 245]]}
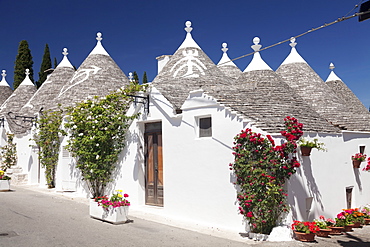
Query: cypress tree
{"points": [[136, 77], [145, 79], [45, 65], [22, 62], [55, 62]]}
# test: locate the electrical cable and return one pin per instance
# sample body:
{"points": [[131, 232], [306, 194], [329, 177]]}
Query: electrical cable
{"points": [[302, 34]]}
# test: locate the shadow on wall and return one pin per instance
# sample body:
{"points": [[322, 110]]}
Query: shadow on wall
{"points": [[75, 175], [117, 172], [236, 202], [356, 171], [304, 194]]}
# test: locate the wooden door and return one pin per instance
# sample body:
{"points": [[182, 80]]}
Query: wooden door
{"points": [[153, 164]]}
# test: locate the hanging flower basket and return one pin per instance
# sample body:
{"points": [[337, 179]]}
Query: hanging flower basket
{"points": [[306, 151], [356, 163]]}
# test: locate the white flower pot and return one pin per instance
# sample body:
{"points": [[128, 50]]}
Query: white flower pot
{"points": [[113, 215], [4, 185]]}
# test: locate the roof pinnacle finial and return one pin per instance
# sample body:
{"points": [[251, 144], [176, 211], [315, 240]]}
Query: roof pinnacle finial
{"points": [[256, 47], [188, 28], [130, 76], [331, 66], [292, 42], [224, 47], [65, 51], [99, 38], [4, 73], [27, 72]]}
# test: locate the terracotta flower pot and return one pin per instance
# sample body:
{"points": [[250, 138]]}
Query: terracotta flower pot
{"points": [[306, 151], [304, 237], [336, 230], [356, 163], [323, 233], [357, 225], [348, 228], [367, 221]]}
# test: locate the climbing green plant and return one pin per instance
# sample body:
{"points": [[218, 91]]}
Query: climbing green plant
{"points": [[97, 130], [8, 153], [261, 170], [48, 138]]}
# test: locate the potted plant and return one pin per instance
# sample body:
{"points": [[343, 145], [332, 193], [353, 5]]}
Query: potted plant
{"points": [[4, 181], [356, 217], [8, 158], [357, 159], [343, 223], [366, 212], [324, 224], [305, 231], [367, 167], [113, 209], [307, 145]]}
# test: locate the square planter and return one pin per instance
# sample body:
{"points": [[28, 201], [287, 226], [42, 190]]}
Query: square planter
{"points": [[4, 185], [113, 215]]}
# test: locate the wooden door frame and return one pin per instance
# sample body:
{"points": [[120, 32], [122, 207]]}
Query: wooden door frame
{"points": [[156, 133]]}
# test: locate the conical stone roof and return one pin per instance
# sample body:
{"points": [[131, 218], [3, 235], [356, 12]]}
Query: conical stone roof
{"points": [[98, 75], [227, 66], [11, 107], [5, 90], [262, 96], [20, 96], [257, 62], [44, 98], [187, 70], [316, 93], [346, 94]]}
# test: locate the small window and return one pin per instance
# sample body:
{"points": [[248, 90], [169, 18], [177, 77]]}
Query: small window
{"points": [[205, 127]]}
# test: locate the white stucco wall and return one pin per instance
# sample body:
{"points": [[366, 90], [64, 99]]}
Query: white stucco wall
{"points": [[198, 185], [324, 176]]}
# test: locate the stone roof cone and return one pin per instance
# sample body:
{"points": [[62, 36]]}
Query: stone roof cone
{"points": [[343, 92], [5, 90], [20, 96], [262, 96], [293, 56], [257, 62], [98, 75], [44, 98], [296, 72], [226, 65], [187, 70], [11, 107]]}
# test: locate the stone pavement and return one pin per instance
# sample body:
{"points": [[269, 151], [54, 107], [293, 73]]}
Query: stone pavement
{"points": [[34, 216]]}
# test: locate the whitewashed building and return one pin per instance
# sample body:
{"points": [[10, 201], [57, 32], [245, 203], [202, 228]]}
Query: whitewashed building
{"points": [[176, 161]]}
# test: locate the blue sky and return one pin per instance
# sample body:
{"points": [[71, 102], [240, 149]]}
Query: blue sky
{"points": [[136, 32]]}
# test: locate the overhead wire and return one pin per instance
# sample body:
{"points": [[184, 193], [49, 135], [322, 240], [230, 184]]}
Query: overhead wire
{"points": [[344, 18]]}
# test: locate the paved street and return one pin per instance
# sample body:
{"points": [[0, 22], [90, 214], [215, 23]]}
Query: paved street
{"points": [[29, 218]]}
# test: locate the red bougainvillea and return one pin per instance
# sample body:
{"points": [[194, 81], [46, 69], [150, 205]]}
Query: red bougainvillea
{"points": [[261, 170]]}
